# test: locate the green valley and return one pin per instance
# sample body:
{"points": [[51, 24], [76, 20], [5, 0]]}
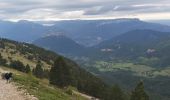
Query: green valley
{"points": [[46, 74]]}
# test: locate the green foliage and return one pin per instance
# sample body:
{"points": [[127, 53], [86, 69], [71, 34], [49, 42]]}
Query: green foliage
{"points": [[42, 90], [2, 61], [60, 73], [139, 93], [152, 61], [69, 91], [18, 65], [116, 93], [38, 71], [27, 69]]}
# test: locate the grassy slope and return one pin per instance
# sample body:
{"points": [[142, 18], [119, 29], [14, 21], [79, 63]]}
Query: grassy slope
{"points": [[40, 88], [6, 54], [34, 86]]}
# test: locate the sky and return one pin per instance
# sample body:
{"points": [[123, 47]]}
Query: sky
{"points": [[84, 9]]}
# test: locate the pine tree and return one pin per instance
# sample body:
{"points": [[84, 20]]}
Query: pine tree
{"points": [[38, 71], [116, 93], [139, 93], [27, 69], [60, 73]]}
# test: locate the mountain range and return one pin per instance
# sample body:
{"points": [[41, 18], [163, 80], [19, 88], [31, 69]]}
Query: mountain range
{"points": [[85, 32], [92, 32], [133, 44]]}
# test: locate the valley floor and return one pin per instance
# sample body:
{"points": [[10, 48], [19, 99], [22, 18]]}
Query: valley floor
{"points": [[9, 91]]}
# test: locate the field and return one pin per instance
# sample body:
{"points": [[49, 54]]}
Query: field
{"points": [[139, 70]]}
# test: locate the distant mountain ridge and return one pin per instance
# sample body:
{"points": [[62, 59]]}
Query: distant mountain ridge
{"points": [[129, 45], [92, 32], [84, 32], [59, 44], [132, 45], [24, 31], [142, 37]]}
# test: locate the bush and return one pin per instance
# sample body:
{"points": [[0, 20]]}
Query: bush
{"points": [[69, 91], [18, 65]]}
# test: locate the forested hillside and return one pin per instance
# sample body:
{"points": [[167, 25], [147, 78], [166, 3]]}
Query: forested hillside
{"points": [[60, 44], [138, 55], [60, 71]]}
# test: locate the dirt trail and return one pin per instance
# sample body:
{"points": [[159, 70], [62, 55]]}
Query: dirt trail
{"points": [[9, 91]]}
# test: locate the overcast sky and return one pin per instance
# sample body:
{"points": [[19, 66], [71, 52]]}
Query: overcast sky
{"points": [[83, 9]]}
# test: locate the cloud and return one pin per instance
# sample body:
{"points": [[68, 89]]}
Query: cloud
{"points": [[80, 9], [138, 8]]}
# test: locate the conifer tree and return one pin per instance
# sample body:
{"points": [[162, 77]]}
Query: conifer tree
{"points": [[27, 69], [60, 73], [38, 71], [116, 93], [139, 93]]}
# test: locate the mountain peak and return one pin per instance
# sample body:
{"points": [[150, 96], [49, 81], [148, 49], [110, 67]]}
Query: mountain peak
{"points": [[60, 44]]}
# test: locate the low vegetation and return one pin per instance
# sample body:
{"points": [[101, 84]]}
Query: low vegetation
{"points": [[40, 88]]}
